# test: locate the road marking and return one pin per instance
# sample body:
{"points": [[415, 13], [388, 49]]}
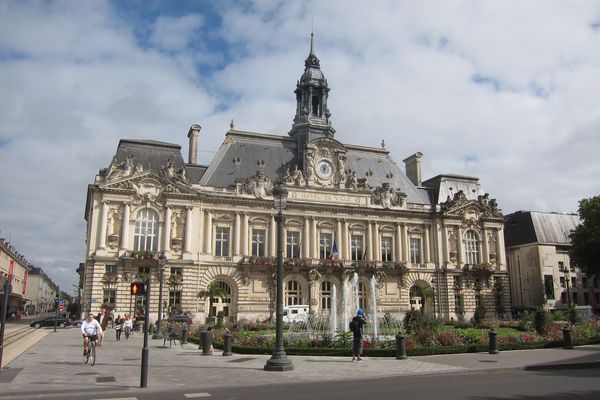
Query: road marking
{"points": [[119, 398], [196, 395]]}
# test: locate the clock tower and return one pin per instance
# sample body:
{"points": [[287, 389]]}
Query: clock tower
{"points": [[312, 120]]}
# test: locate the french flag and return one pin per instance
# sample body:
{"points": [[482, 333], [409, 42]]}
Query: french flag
{"points": [[334, 252]]}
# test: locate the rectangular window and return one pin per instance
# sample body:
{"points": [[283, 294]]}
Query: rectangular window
{"points": [[386, 249], [222, 242], [562, 282], [174, 300], [356, 247], [325, 245], [415, 251], [292, 244], [573, 282], [111, 269], [258, 242], [177, 271], [584, 282], [143, 273], [586, 298], [575, 298], [109, 296], [563, 298], [549, 287], [596, 298], [458, 303], [561, 266], [596, 283]]}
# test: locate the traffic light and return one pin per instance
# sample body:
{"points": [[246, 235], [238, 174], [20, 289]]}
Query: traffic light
{"points": [[138, 288]]}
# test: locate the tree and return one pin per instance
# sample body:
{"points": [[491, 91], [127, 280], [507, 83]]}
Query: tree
{"points": [[585, 239], [212, 291]]}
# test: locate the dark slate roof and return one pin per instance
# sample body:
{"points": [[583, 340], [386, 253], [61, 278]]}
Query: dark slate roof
{"points": [[448, 185], [151, 154], [194, 172], [243, 153], [525, 227]]}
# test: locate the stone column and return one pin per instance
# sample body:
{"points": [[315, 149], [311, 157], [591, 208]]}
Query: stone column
{"points": [[346, 239], [187, 244], [485, 256], [338, 239], [167, 231], [125, 228], [406, 243], [369, 241], [376, 243], [245, 241], [459, 247], [445, 255], [426, 255], [398, 247], [236, 234], [208, 233], [201, 233], [272, 238], [102, 227], [499, 247], [306, 239], [315, 239]]}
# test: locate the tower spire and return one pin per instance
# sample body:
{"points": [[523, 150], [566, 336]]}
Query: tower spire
{"points": [[311, 42]]}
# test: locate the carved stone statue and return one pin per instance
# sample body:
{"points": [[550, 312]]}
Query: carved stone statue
{"points": [[120, 170]]}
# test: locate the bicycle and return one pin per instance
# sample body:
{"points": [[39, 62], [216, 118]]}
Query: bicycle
{"points": [[90, 355]]}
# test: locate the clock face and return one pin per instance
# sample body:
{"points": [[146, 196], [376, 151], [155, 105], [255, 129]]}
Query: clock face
{"points": [[324, 169]]}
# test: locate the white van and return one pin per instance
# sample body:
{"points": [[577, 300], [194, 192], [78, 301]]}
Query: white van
{"points": [[298, 313]]}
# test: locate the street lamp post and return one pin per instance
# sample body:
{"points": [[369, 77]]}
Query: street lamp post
{"points": [[161, 270], [567, 279], [279, 360]]}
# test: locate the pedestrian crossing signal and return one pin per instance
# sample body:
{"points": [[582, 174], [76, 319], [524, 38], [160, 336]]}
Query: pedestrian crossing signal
{"points": [[138, 288]]}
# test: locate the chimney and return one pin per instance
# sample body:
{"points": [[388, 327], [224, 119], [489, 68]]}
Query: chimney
{"points": [[412, 165], [193, 135]]}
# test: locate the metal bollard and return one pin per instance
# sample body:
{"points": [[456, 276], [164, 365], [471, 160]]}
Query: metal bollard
{"points": [[206, 342], [184, 335], [567, 342], [493, 335], [227, 344], [400, 347]]}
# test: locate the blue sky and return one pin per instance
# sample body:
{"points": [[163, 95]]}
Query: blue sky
{"points": [[506, 91]]}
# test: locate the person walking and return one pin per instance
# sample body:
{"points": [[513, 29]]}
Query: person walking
{"points": [[118, 327], [356, 327], [127, 326]]}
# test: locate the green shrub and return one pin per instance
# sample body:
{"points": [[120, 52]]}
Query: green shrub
{"points": [[413, 321], [540, 320]]}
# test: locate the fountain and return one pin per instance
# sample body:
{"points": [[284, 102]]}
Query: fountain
{"points": [[344, 309]]}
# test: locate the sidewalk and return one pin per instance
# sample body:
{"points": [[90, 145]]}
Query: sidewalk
{"points": [[56, 363]]}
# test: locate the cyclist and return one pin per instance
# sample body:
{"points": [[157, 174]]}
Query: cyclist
{"points": [[90, 328]]}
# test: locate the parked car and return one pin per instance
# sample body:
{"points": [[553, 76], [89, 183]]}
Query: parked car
{"points": [[77, 323], [61, 322], [180, 318]]}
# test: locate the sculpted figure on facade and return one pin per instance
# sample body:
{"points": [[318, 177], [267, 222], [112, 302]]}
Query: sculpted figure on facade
{"points": [[387, 196], [258, 185], [120, 170]]}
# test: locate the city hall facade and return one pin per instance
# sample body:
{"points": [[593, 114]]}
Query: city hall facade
{"points": [[435, 244]]}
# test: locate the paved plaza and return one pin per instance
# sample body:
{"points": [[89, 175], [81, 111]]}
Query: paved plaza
{"points": [[55, 363]]}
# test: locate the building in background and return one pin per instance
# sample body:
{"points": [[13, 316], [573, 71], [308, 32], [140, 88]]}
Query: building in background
{"points": [[541, 273], [359, 231], [14, 268], [41, 292]]}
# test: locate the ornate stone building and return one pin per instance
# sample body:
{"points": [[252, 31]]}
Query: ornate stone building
{"points": [[434, 244]]}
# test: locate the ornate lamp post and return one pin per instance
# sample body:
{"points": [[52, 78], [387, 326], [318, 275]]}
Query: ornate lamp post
{"points": [[161, 270], [279, 360], [567, 279]]}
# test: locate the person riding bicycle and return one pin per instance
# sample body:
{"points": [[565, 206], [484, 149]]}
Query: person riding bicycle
{"points": [[90, 328]]}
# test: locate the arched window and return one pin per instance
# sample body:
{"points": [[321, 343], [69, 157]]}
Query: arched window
{"points": [[326, 295], [293, 293], [145, 237], [472, 247]]}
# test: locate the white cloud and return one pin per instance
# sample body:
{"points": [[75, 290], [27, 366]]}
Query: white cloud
{"points": [[74, 79]]}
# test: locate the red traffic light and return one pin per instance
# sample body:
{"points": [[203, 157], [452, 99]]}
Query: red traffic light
{"points": [[138, 289]]}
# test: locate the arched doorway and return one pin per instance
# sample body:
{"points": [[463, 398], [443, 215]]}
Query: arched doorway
{"points": [[222, 305], [421, 297]]}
